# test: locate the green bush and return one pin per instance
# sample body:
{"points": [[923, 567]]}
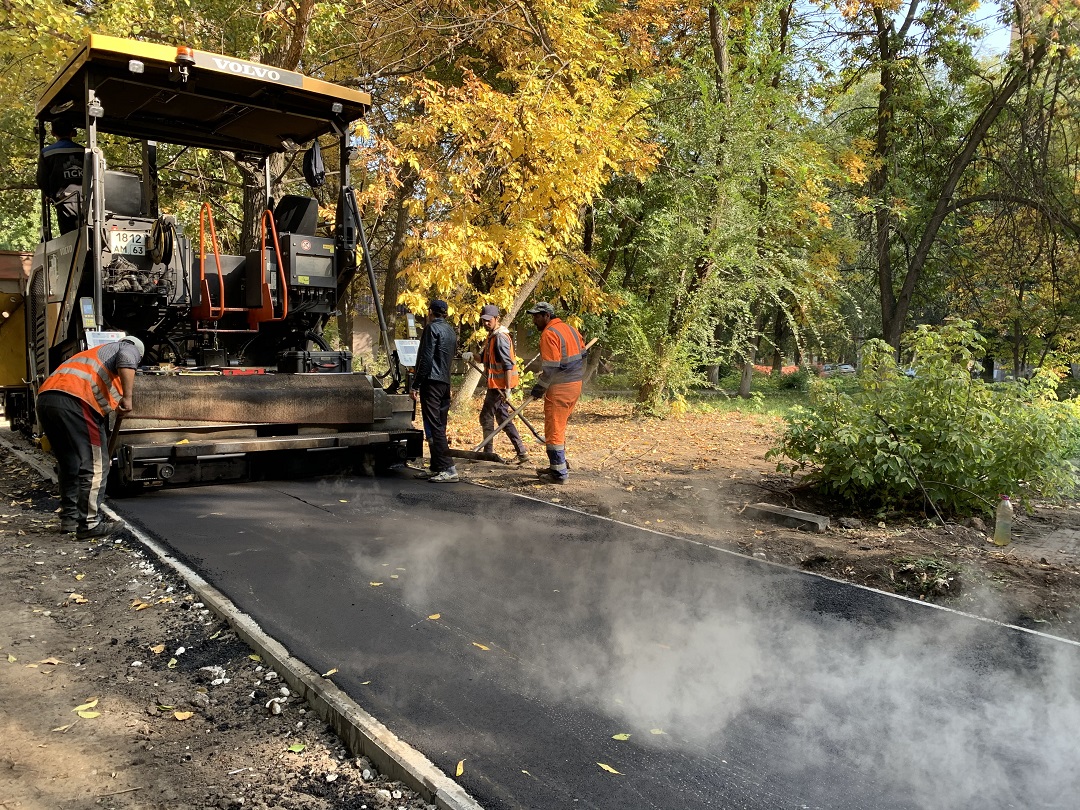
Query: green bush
{"points": [[965, 441]]}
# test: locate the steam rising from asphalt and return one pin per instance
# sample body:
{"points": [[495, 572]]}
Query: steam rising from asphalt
{"points": [[739, 662]]}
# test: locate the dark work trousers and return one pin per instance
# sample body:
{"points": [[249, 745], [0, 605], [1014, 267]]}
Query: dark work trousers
{"points": [[79, 436], [67, 210], [494, 411], [435, 406]]}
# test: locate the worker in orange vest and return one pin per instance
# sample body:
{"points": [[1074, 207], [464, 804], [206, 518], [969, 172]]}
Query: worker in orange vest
{"points": [[500, 368], [562, 357], [73, 406]]}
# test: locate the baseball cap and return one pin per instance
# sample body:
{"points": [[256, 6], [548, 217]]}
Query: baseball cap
{"points": [[438, 307], [489, 311], [544, 307]]}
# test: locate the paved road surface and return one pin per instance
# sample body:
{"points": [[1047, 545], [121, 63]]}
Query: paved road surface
{"points": [[740, 684]]}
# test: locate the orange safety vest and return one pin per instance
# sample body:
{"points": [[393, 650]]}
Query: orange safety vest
{"points": [[85, 377], [498, 377], [562, 353]]}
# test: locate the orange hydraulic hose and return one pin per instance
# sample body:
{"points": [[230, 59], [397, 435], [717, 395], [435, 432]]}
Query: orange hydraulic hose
{"points": [[269, 215], [217, 259]]}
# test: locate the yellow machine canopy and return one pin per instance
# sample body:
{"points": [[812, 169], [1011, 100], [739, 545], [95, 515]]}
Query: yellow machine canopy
{"points": [[196, 98]]}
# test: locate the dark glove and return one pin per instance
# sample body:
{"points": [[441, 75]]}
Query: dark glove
{"points": [[537, 391]]}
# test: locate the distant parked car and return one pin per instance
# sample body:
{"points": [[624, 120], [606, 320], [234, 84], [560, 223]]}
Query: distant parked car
{"points": [[846, 368], [827, 369]]}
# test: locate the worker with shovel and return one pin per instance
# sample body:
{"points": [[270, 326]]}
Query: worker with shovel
{"points": [[73, 407], [500, 369], [562, 357]]}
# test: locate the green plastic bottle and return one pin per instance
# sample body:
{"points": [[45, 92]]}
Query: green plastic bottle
{"points": [[1003, 522]]}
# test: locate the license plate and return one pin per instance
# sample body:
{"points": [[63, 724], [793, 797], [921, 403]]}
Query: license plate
{"points": [[130, 243]]}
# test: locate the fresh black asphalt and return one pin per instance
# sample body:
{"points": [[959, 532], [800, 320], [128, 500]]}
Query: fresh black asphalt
{"points": [[740, 684]]}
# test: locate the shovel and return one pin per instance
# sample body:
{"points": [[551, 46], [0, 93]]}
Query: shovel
{"points": [[114, 437], [503, 424], [520, 416]]}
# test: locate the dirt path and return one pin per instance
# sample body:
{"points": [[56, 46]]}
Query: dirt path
{"points": [[86, 622]]}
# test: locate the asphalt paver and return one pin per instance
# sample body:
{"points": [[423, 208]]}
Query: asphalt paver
{"points": [[561, 660]]}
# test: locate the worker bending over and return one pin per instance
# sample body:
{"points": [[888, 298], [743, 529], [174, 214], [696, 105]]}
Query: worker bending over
{"points": [[500, 368], [73, 407], [562, 357]]}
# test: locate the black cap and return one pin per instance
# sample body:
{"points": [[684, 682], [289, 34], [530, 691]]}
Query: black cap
{"points": [[489, 311], [438, 307], [544, 307]]}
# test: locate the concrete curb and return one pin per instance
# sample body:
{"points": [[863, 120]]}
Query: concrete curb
{"points": [[360, 731]]}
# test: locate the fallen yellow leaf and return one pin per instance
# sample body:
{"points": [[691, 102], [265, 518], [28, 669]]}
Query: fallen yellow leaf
{"points": [[255, 657], [365, 683], [89, 715], [460, 768], [657, 731], [51, 661], [77, 598], [183, 715], [620, 736], [172, 663], [481, 646], [608, 768], [11, 658], [434, 616], [139, 605], [374, 584], [88, 705], [393, 576], [64, 728], [80, 577], [157, 649], [331, 672]]}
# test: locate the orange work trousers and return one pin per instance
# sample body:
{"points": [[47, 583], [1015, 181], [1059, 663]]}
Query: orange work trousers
{"points": [[559, 402]]}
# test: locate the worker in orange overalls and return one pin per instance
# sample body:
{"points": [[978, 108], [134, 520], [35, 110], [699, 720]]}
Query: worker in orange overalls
{"points": [[562, 357], [73, 406]]}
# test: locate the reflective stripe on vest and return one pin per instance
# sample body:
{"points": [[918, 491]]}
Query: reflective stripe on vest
{"points": [[85, 377], [499, 377], [568, 366]]}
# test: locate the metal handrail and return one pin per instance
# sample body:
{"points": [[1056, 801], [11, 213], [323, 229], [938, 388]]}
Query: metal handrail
{"points": [[203, 287]]}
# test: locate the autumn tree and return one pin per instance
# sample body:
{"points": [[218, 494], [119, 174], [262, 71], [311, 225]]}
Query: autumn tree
{"points": [[936, 105]]}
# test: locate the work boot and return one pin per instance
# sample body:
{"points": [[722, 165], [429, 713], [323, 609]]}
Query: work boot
{"points": [[69, 526], [103, 528], [520, 460], [445, 477], [551, 477], [423, 474]]}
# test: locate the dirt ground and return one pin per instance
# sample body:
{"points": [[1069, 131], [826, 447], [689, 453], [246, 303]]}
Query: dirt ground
{"points": [[174, 707]]}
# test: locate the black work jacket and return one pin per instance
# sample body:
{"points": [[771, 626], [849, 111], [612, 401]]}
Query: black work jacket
{"points": [[434, 358], [60, 169]]}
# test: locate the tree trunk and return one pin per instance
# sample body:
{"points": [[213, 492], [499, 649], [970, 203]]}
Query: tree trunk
{"points": [[394, 263]]}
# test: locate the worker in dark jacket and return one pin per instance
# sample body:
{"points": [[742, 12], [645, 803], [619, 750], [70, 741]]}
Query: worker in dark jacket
{"points": [[431, 388], [562, 355], [60, 175], [500, 368], [73, 406]]}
